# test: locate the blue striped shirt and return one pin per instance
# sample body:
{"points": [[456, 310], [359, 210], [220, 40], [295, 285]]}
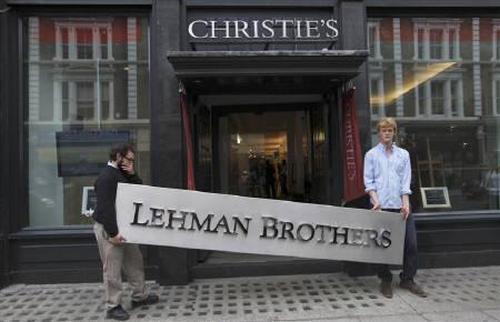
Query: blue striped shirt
{"points": [[388, 175]]}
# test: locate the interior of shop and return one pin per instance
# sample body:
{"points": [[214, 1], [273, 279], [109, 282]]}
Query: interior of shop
{"points": [[262, 146]]}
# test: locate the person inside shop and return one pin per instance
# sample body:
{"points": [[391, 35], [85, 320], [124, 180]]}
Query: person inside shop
{"points": [[116, 255], [387, 177], [270, 180], [282, 170]]}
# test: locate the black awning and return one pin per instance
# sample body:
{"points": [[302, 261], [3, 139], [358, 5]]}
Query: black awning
{"points": [[336, 63], [266, 71]]}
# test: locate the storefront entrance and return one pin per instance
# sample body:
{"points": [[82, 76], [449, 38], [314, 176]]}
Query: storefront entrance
{"points": [[265, 154], [265, 150], [265, 124]]}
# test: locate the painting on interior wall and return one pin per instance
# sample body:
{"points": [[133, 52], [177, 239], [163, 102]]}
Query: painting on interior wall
{"points": [[84, 153]]}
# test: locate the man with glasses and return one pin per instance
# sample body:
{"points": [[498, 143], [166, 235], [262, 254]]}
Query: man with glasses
{"points": [[116, 255]]}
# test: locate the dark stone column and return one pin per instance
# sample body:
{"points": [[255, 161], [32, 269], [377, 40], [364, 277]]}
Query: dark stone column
{"points": [[11, 192], [167, 154], [335, 121], [4, 259], [352, 18]]}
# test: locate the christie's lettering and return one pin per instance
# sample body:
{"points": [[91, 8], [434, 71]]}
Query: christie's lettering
{"points": [[264, 29], [350, 157], [271, 228]]}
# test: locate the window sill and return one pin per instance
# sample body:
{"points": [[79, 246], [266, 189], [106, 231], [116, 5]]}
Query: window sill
{"points": [[74, 232], [459, 216]]}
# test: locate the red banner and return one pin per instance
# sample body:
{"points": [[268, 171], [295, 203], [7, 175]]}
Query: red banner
{"points": [[186, 127], [353, 163]]}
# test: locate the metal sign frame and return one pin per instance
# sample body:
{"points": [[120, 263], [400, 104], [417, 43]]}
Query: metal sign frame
{"points": [[425, 197]]}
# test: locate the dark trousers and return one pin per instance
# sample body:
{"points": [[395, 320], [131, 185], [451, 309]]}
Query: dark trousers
{"points": [[270, 189], [409, 257]]}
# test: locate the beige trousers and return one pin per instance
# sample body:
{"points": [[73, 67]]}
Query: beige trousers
{"points": [[115, 258]]}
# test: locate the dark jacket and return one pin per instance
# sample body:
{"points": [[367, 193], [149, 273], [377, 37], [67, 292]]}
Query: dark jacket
{"points": [[105, 191]]}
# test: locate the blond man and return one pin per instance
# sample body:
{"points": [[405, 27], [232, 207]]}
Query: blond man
{"points": [[387, 177]]}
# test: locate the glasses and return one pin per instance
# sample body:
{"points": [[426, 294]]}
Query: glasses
{"points": [[129, 159]]}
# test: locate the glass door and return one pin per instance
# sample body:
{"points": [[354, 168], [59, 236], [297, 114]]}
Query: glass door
{"points": [[264, 151], [265, 154]]}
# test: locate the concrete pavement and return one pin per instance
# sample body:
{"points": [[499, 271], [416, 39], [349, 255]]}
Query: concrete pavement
{"points": [[465, 294]]}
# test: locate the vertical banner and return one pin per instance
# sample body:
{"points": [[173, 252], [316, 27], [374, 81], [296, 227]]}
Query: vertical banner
{"points": [[186, 128], [353, 162]]}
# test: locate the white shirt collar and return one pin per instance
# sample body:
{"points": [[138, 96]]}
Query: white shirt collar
{"points": [[382, 147], [111, 164]]}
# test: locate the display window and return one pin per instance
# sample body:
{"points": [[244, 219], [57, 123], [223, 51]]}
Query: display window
{"points": [[86, 86], [439, 77]]}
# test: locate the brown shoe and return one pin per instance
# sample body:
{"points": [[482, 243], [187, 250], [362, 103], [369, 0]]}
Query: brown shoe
{"points": [[413, 287], [149, 300], [386, 289]]}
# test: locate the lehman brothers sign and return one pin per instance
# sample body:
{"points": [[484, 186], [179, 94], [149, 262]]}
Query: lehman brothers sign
{"points": [[200, 220]]}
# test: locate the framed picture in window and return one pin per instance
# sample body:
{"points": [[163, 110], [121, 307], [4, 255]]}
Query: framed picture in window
{"points": [[89, 201], [435, 197], [84, 153]]}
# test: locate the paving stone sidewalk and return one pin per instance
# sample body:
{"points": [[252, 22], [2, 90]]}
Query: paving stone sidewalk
{"points": [[471, 294]]}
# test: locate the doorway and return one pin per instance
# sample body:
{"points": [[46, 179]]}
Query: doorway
{"points": [[263, 150], [265, 154], [302, 84]]}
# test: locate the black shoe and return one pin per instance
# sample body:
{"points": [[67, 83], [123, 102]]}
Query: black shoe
{"points": [[117, 313], [150, 299]]}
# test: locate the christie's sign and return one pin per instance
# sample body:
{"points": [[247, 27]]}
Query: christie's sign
{"points": [[200, 220], [284, 29]]}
